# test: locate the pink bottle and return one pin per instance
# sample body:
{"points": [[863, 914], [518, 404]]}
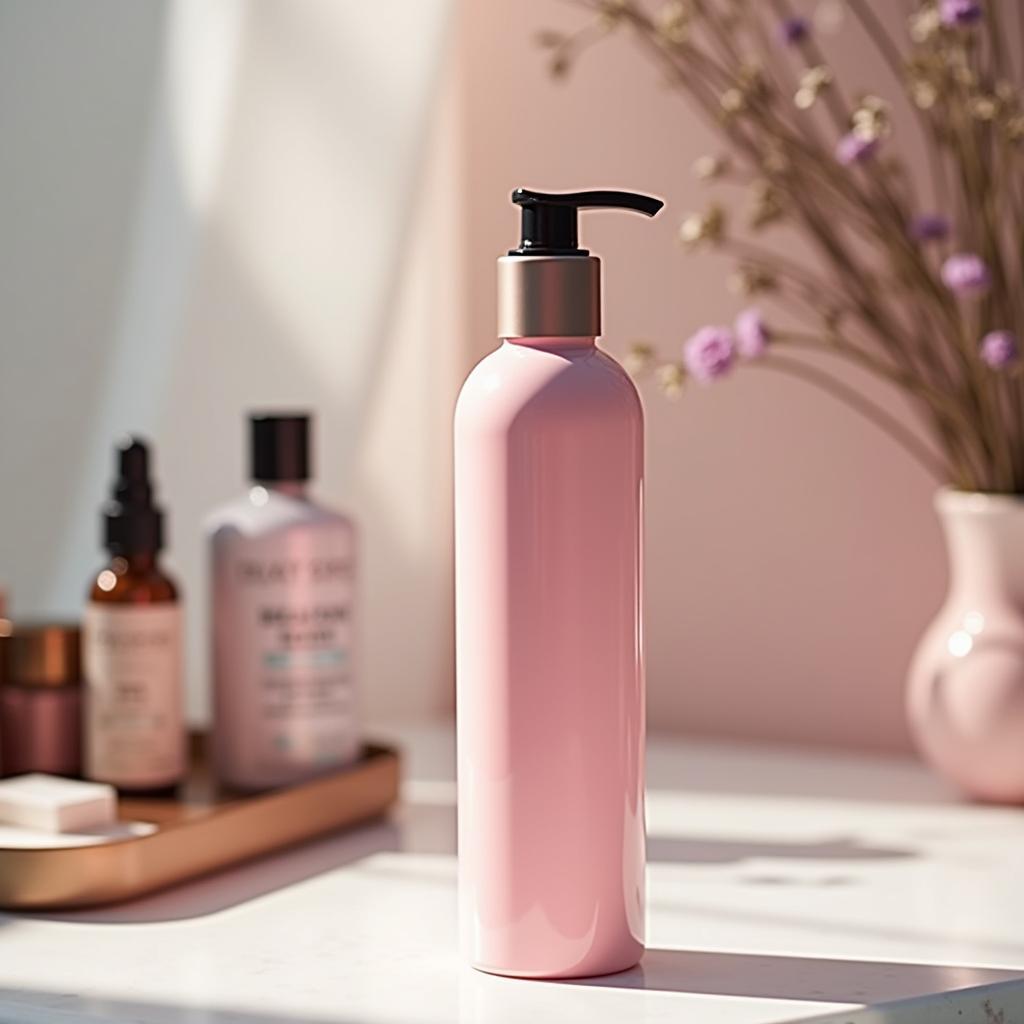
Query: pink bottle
{"points": [[548, 517]]}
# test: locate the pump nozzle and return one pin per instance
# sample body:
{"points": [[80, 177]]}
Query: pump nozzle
{"points": [[549, 219], [549, 287]]}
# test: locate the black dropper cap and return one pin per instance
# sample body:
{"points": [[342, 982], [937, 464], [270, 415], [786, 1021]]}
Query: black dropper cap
{"points": [[549, 218], [133, 524], [279, 448]]}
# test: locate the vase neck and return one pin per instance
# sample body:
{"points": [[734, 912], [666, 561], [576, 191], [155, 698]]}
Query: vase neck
{"points": [[985, 539]]}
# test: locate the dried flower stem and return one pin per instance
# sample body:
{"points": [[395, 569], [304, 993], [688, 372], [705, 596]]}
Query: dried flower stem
{"points": [[871, 411]]}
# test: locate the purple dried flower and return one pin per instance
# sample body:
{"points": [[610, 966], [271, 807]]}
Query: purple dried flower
{"points": [[710, 353], [752, 335], [959, 13], [998, 349], [793, 30], [929, 227], [966, 274], [853, 148]]}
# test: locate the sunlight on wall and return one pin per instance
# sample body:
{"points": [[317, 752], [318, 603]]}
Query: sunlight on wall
{"points": [[268, 155]]}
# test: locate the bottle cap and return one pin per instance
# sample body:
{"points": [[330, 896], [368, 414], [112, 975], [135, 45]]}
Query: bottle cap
{"points": [[133, 523], [548, 286], [279, 447]]}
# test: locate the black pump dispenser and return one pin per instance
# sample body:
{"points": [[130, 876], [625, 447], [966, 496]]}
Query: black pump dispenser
{"points": [[133, 523], [549, 218]]}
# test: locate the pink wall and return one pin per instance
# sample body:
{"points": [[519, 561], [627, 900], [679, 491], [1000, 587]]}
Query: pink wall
{"points": [[793, 558]]}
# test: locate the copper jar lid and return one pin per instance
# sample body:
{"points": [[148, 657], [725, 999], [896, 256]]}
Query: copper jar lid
{"points": [[43, 654]]}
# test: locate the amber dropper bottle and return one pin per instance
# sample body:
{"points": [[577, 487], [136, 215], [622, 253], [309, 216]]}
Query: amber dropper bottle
{"points": [[132, 645]]}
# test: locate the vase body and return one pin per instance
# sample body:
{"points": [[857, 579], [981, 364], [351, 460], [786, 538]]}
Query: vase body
{"points": [[966, 688], [548, 499]]}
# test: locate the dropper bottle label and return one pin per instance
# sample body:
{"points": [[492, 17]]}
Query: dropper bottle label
{"points": [[134, 667]]}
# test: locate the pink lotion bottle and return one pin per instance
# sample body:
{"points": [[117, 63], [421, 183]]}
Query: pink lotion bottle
{"points": [[282, 614], [548, 520]]}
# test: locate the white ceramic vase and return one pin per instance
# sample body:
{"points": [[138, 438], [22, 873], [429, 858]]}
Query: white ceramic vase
{"points": [[965, 697]]}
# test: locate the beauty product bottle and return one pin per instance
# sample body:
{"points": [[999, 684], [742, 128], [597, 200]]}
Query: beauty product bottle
{"points": [[41, 700], [548, 505], [132, 645], [282, 607]]}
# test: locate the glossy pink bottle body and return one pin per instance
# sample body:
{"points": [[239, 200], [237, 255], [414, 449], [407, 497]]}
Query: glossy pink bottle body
{"points": [[548, 493]]}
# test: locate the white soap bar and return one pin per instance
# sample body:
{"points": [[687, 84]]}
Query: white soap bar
{"points": [[53, 804]]}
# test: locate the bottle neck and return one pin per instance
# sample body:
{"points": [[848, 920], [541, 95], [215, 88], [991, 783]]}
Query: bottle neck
{"points": [[984, 535], [137, 561], [553, 344]]}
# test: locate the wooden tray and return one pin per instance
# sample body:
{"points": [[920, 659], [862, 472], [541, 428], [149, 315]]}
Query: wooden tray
{"points": [[199, 833]]}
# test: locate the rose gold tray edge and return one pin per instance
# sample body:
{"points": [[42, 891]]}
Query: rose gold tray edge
{"points": [[193, 840]]}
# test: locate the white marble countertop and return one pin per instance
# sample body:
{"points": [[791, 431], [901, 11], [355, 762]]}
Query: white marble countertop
{"points": [[783, 886]]}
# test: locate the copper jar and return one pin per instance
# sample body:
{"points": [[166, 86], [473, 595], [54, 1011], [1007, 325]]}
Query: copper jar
{"points": [[41, 700]]}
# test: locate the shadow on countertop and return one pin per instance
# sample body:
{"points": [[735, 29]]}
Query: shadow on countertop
{"points": [[708, 850], [793, 977]]}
